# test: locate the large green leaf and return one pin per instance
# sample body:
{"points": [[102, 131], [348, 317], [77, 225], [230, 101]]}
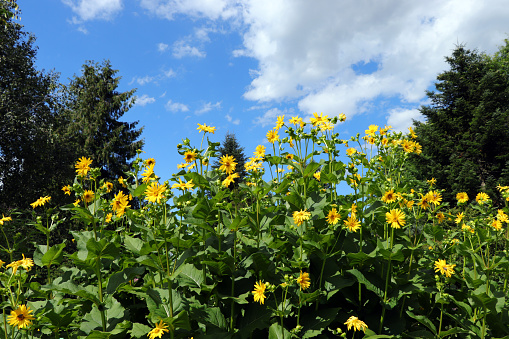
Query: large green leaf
{"points": [[189, 275], [122, 277], [54, 255], [102, 249], [278, 332]]}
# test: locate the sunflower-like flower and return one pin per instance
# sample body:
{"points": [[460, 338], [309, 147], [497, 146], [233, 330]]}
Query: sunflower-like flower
{"points": [[462, 197], [333, 217], [351, 151], [280, 122], [482, 198], [317, 175], [67, 189], [396, 218], [40, 202], [444, 268], [21, 317], [83, 166], [189, 156], [206, 129], [88, 196], [184, 185], [158, 331], [300, 216], [318, 119], [297, 121], [272, 136], [120, 203], [389, 197], [4, 219], [352, 223], [155, 192], [434, 197], [259, 292], [356, 324], [303, 280], [26, 263], [228, 164], [260, 151], [496, 224], [372, 129], [230, 179], [108, 186]]}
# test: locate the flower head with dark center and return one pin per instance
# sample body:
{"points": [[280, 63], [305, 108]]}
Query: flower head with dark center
{"points": [[21, 317], [396, 218], [356, 324], [158, 331]]}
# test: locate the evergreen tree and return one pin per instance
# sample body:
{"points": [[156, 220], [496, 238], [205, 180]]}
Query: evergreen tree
{"points": [[465, 139], [230, 146], [31, 162], [93, 109]]}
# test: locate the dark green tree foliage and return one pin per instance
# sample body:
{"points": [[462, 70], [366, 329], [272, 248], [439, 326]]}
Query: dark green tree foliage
{"points": [[31, 164], [230, 146], [465, 139], [94, 108]]}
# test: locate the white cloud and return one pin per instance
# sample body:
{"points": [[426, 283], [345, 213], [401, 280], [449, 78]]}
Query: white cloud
{"points": [[230, 119], [143, 81], [182, 49], [208, 107], [269, 117], [210, 9], [401, 119], [306, 49], [176, 107], [144, 100], [170, 73], [161, 47], [94, 9]]}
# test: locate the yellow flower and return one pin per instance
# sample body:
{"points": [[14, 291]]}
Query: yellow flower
{"points": [[155, 192], [21, 317], [389, 197], [432, 181], [108, 218], [356, 324], [108, 186], [229, 179], [189, 156], [300, 216], [41, 201], [481, 198], [371, 130], [440, 217], [342, 117], [496, 224], [303, 280], [259, 292], [83, 166], [206, 128], [318, 119], [228, 164], [289, 156], [26, 263], [148, 174], [88, 196], [122, 182], [502, 216], [280, 122], [14, 265], [76, 203], [297, 121], [396, 218], [1, 263], [333, 217], [462, 197], [260, 151], [459, 217], [183, 165], [444, 268], [317, 175], [67, 189], [352, 223], [434, 197], [184, 185], [4, 219], [158, 331], [412, 133], [272, 136], [351, 151], [120, 203]]}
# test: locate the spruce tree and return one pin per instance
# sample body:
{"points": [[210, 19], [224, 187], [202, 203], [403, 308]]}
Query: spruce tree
{"points": [[230, 146], [93, 110], [465, 139]]}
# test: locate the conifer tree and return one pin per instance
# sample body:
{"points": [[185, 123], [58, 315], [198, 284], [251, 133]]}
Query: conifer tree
{"points": [[465, 139], [230, 146], [93, 111]]}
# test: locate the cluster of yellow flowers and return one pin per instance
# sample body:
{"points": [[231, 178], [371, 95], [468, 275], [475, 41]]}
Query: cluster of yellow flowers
{"points": [[303, 281], [41, 201]]}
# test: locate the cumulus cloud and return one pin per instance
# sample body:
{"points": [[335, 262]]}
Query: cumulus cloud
{"points": [[94, 9], [208, 107], [144, 100], [401, 119], [230, 119], [182, 49], [169, 73], [176, 107]]}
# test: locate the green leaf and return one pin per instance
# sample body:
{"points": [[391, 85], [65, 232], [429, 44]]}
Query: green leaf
{"points": [[374, 285], [311, 169], [198, 180], [423, 320], [277, 332], [215, 317], [133, 244], [139, 330], [102, 249], [189, 275], [122, 277], [54, 255], [98, 335], [140, 190]]}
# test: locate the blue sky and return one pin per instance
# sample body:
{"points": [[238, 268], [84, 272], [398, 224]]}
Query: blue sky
{"points": [[238, 64]]}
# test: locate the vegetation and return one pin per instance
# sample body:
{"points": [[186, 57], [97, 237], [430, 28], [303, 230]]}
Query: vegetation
{"points": [[465, 139], [388, 260]]}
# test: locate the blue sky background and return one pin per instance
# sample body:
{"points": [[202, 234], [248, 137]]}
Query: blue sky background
{"points": [[237, 65]]}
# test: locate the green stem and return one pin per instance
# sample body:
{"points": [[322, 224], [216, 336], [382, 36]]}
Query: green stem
{"points": [[441, 314], [101, 309]]}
